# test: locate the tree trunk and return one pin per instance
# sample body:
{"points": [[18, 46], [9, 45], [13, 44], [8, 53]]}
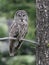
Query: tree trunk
{"points": [[42, 25]]}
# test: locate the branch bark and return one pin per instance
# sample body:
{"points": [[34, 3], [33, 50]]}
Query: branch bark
{"points": [[7, 38]]}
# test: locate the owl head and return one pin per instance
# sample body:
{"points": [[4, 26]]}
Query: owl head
{"points": [[21, 15]]}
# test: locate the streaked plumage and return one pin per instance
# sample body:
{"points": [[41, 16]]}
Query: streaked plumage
{"points": [[18, 29]]}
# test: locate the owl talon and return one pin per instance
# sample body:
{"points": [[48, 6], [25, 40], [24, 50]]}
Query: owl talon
{"points": [[20, 39]]}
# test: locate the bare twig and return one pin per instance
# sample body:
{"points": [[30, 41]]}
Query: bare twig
{"points": [[31, 41], [8, 38]]}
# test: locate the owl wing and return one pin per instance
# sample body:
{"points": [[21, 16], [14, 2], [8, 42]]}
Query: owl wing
{"points": [[14, 32]]}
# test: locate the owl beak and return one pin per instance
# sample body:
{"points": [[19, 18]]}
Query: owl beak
{"points": [[21, 20]]}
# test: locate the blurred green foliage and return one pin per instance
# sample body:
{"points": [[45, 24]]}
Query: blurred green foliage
{"points": [[3, 30], [3, 27], [9, 7], [7, 11], [22, 60]]}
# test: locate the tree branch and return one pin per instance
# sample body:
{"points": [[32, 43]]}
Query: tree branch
{"points": [[7, 38]]}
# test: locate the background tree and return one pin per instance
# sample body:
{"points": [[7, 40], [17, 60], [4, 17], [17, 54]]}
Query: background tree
{"points": [[42, 51]]}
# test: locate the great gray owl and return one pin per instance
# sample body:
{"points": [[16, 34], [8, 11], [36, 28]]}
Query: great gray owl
{"points": [[18, 29]]}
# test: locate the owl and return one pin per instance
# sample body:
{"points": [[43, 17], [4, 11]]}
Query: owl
{"points": [[18, 30]]}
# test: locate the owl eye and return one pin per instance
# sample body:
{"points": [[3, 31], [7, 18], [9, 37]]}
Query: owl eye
{"points": [[19, 15], [23, 15]]}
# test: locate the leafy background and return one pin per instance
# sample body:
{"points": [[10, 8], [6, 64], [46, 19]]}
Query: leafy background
{"points": [[26, 54]]}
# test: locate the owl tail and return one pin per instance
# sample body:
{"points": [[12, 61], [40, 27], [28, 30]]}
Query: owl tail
{"points": [[14, 46], [11, 53]]}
